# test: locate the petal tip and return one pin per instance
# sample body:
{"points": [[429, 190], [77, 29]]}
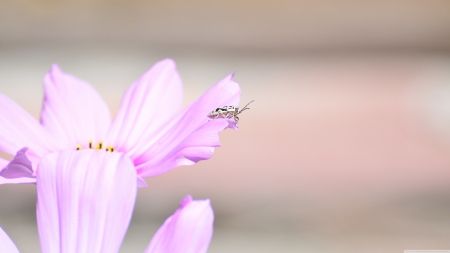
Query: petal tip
{"points": [[141, 182], [168, 62], [186, 201], [232, 124], [55, 68]]}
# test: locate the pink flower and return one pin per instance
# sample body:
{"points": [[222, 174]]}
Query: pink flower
{"points": [[148, 128], [84, 204]]}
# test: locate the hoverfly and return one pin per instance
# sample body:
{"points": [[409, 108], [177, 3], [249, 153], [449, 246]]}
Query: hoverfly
{"points": [[228, 112]]}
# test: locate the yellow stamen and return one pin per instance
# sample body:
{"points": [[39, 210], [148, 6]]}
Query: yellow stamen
{"points": [[100, 146]]}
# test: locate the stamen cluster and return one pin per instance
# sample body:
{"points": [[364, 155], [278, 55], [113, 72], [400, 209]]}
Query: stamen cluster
{"points": [[97, 147]]}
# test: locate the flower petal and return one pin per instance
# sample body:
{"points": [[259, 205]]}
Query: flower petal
{"points": [[141, 182], [19, 129], [188, 230], [6, 245], [73, 111], [21, 169], [85, 200], [24, 164], [146, 106], [198, 146], [155, 151]]}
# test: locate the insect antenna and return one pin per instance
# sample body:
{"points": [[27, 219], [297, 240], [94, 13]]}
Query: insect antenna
{"points": [[245, 107]]}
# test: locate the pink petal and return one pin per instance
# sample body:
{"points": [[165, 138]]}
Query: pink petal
{"points": [[73, 111], [18, 129], [141, 182], [6, 245], [188, 230], [20, 180], [21, 169], [147, 105], [24, 164], [187, 130], [196, 147], [85, 200]]}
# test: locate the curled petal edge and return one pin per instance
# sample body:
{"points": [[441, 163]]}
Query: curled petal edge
{"points": [[140, 182], [22, 168], [193, 149]]}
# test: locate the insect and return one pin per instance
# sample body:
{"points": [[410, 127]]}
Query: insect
{"points": [[228, 112]]}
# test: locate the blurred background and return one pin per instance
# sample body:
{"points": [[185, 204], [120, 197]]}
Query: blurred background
{"points": [[345, 149]]}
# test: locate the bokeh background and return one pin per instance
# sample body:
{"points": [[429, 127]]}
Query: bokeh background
{"points": [[345, 149]]}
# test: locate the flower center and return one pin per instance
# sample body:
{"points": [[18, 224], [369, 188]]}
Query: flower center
{"points": [[97, 147]]}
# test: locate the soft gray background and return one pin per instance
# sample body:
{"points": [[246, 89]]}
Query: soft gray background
{"points": [[345, 149]]}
